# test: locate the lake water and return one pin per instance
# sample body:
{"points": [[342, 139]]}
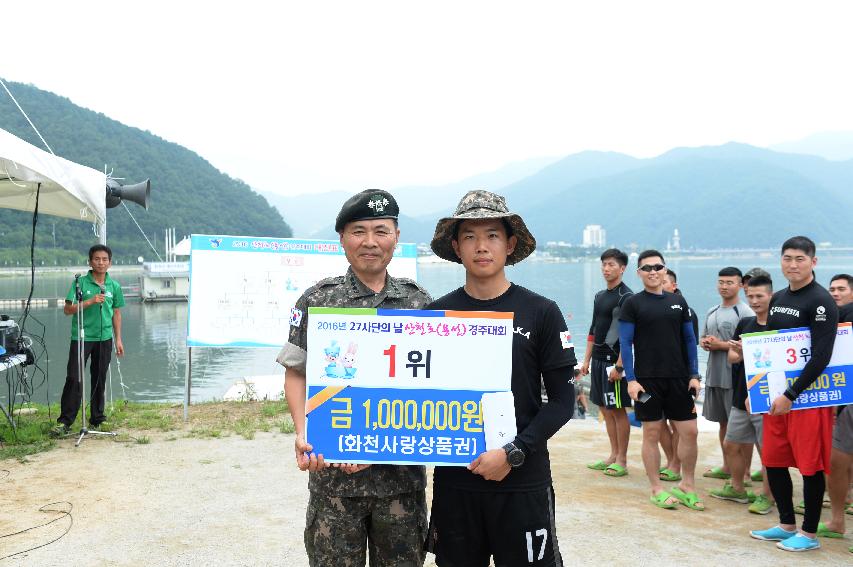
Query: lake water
{"points": [[155, 334]]}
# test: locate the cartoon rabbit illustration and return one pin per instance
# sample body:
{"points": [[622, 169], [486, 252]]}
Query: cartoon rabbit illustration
{"points": [[333, 367], [766, 358], [349, 361], [756, 355]]}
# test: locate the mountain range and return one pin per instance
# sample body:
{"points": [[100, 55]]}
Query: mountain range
{"points": [[728, 196], [313, 209], [830, 145], [187, 192], [732, 195]]}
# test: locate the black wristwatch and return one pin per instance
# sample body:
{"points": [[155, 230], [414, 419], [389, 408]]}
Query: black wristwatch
{"points": [[619, 368], [514, 455]]}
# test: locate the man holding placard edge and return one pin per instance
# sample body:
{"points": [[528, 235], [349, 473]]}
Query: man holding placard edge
{"points": [[744, 429], [841, 460], [357, 509], [802, 438], [502, 504]]}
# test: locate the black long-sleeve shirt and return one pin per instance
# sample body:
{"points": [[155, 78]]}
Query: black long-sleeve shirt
{"points": [[542, 354], [810, 306]]}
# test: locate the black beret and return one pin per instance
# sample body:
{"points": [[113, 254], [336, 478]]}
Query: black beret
{"points": [[367, 205]]}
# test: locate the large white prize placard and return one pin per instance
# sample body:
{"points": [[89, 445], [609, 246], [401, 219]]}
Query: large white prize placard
{"points": [[773, 360], [242, 288], [406, 386]]}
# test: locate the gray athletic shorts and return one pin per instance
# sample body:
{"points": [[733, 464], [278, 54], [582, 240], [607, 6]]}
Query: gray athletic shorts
{"points": [[718, 404], [744, 427], [842, 433]]}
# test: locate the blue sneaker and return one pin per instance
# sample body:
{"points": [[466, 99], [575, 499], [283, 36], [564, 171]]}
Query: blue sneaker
{"points": [[799, 542], [773, 534]]}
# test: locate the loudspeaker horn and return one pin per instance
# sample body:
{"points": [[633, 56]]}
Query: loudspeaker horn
{"points": [[139, 193]]}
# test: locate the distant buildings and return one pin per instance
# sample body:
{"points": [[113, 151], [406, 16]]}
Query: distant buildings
{"points": [[594, 236], [674, 243]]}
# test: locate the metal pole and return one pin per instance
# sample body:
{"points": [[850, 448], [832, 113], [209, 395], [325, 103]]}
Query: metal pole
{"points": [[81, 367], [103, 240], [188, 384]]}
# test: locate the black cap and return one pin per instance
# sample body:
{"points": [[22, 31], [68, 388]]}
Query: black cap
{"points": [[368, 205]]}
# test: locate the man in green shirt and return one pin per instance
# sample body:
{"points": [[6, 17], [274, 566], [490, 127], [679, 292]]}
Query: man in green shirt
{"points": [[101, 305]]}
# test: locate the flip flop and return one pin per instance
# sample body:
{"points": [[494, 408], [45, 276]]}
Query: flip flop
{"points": [[669, 475], [660, 500], [823, 531], [597, 466], [615, 470], [689, 499], [717, 472]]}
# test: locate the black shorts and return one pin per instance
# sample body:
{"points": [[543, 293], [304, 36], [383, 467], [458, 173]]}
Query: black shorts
{"points": [[670, 399], [603, 392], [466, 528]]}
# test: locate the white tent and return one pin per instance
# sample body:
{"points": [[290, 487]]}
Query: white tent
{"points": [[67, 189], [183, 248]]}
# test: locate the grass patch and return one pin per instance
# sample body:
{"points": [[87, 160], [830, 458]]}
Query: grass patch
{"points": [[245, 427], [287, 425], [210, 420], [205, 433], [32, 434], [21, 452], [273, 409], [142, 416]]}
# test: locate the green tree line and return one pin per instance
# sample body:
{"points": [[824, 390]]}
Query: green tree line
{"points": [[187, 192]]}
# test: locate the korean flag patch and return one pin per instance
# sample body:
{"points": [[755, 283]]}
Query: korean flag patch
{"points": [[566, 340], [295, 317]]}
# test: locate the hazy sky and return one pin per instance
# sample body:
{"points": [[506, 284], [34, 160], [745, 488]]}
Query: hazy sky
{"points": [[297, 97]]}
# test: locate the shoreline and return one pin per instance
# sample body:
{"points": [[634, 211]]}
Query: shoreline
{"points": [[541, 255], [17, 271]]}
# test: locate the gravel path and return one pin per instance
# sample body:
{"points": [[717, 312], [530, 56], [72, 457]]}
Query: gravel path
{"points": [[232, 501]]}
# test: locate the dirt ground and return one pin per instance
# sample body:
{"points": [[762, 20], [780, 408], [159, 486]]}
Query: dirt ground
{"points": [[232, 501]]}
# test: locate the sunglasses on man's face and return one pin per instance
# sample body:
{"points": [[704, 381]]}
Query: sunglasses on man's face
{"points": [[652, 268]]}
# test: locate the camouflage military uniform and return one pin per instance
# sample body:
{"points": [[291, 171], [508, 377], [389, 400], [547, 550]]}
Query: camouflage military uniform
{"points": [[385, 501]]}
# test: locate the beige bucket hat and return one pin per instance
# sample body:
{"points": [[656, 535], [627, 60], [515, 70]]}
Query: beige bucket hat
{"points": [[481, 204]]}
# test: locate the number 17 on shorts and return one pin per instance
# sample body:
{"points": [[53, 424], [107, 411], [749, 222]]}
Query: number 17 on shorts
{"points": [[542, 537]]}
